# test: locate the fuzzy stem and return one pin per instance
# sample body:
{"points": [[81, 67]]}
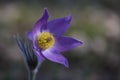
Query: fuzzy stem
{"points": [[33, 73]]}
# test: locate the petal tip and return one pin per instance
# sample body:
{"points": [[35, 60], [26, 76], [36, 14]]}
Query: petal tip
{"points": [[68, 18], [81, 42], [29, 35], [45, 13], [66, 64]]}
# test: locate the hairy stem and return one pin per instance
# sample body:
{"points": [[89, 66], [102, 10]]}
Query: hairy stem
{"points": [[33, 73]]}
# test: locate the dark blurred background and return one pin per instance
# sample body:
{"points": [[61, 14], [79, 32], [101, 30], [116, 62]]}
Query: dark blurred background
{"points": [[96, 22]]}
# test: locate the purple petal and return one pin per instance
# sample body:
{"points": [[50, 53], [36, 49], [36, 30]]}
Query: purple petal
{"points": [[55, 56], [29, 35], [38, 54], [40, 25], [60, 25], [66, 43]]}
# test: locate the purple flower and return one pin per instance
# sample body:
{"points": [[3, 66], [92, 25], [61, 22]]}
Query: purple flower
{"points": [[48, 40]]}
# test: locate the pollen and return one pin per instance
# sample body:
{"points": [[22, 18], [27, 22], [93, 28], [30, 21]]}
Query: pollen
{"points": [[45, 40]]}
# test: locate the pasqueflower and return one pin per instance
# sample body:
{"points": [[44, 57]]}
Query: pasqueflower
{"points": [[48, 40]]}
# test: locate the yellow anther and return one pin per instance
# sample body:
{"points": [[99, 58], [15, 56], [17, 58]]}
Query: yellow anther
{"points": [[45, 40]]}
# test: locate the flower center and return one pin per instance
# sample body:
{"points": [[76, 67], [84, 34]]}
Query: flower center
{"points": [[45, 40]]}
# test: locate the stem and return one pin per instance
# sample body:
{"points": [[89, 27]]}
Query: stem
{"points": [[33, 73]]}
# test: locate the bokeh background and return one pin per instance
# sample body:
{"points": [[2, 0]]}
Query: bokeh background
{"points": [[96, 22]]}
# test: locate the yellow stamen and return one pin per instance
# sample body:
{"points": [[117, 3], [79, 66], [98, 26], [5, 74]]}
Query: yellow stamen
{"points": [[45, 40]]}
